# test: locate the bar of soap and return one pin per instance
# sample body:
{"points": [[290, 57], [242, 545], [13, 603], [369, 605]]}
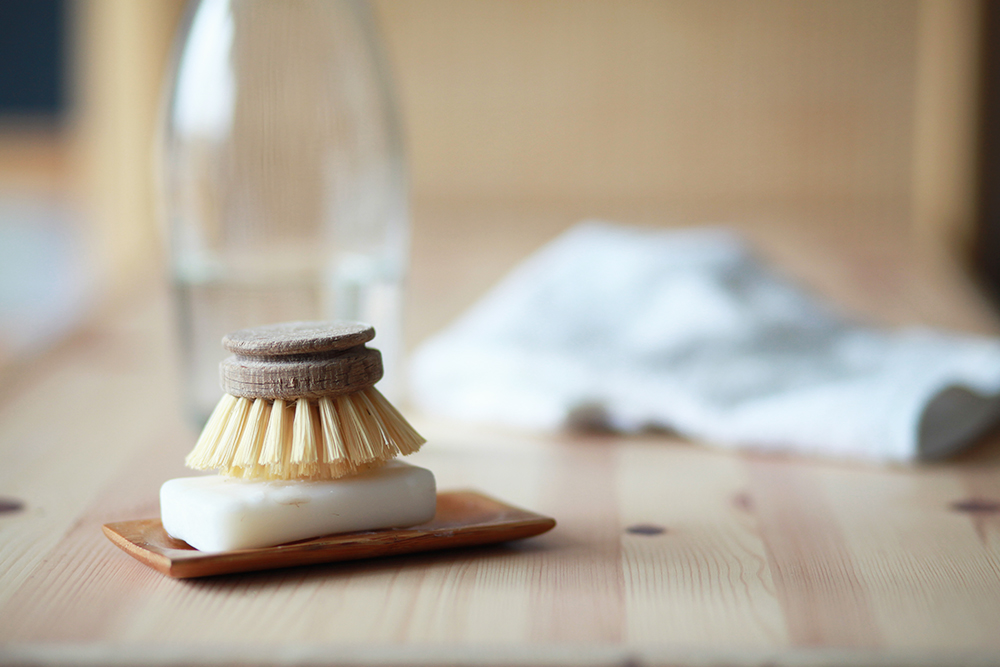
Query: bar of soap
{"points": [[217, 513]]}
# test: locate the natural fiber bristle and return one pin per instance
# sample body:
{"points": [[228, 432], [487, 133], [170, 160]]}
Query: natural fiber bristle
{"points": [[327, 438], [251, 443], [199, 458]]}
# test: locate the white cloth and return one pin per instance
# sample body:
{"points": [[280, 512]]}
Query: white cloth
{"points": [[686, 330]]}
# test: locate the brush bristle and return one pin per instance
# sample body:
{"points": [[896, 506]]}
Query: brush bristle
{"points": [[320, 439]]}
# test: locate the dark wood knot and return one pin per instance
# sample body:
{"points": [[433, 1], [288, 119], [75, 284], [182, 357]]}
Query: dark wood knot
{"points": [[645, 529], [976, 506], [10, 505]]}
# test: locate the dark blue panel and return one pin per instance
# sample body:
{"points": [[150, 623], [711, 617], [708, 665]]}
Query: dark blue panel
{"points": [[32, 57]]}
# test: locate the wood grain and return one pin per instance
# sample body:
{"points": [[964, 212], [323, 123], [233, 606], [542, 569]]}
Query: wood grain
{"points": [[706, 574], [820, 587], [292, 338], [924, 572], [331, 374], [300, 360], [579, 594]]}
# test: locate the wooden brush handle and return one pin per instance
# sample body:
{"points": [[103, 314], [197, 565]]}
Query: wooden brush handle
{"points": [[300, 360]]}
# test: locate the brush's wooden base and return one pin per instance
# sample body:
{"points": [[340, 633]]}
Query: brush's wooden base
{"points": [[293, 360], [463, 519]]}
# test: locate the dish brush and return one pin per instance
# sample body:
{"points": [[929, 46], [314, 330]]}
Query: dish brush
{"points": [[300, 403]]}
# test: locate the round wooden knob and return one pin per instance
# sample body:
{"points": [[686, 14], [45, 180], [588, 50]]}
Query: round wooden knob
{"points": [[300, 360], [275, 340]]}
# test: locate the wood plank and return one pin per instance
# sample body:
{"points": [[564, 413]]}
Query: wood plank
{"points": [[705, 577], [487, 597], [579, 594], [929, 579], [80, 590], [900, 568], [70, 421], [816, 577]]}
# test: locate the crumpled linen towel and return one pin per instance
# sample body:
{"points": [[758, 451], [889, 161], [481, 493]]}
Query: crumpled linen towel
{"points": [[687, 330]]}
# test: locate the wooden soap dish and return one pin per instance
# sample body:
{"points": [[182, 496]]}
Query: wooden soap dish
{"points": [[463, 519]]}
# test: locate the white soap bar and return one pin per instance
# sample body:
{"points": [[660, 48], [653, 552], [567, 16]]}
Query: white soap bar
{"points": [[218, 513]]}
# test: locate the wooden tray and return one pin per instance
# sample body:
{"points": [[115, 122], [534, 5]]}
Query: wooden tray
{"points": [[463, 519]]}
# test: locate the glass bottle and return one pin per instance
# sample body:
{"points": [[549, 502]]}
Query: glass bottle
{"points": [[284, 185]]}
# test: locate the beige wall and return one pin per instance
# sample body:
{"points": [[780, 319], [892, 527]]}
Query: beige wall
{"points": [[709, 109], [750, 102], [721, 109]]}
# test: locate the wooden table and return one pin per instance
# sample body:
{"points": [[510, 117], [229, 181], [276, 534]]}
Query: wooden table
{"points": [[665, 552]]}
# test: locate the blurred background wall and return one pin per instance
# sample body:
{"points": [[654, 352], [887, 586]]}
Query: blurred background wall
{"points": [[828, 112]]}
